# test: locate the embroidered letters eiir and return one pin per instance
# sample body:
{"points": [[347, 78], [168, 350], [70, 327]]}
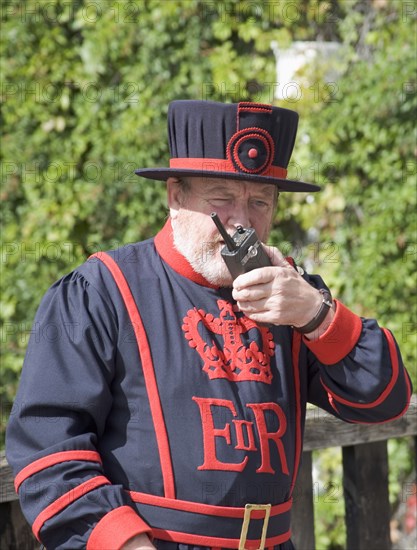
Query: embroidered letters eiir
{"points": [[243, 433]]}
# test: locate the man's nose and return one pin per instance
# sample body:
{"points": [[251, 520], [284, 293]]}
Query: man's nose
{"points": [[239, 216]]}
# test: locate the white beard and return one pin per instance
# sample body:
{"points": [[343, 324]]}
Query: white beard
{"points": [[203, 255]]}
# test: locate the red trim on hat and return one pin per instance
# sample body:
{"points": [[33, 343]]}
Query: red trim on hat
{"points": [[220, 165], [51, 460], [263, 136], [249, 106]]}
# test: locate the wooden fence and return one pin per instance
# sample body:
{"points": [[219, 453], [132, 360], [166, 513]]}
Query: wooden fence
{"points": [[365, 477], [365, 484]]}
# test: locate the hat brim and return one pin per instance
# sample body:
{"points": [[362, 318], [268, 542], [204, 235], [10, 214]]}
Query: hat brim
{"points": [[162, 174]]}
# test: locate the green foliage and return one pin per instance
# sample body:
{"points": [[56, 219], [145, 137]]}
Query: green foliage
{"points": [[85, 92], [84, 96], [401, 454], [366, 144], [84, 101], [328, 500]]}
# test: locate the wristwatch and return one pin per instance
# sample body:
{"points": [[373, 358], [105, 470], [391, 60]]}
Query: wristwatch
{"points": [[320, 315]]}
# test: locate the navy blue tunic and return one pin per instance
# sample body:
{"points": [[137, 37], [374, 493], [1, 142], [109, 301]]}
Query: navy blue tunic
{"points": [[149, 403]]}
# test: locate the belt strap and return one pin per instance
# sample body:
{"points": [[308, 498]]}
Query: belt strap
{"points": [[216, 526]]}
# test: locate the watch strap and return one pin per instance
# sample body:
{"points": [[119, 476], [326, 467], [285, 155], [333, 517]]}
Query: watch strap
{"points": [[320, 315]]}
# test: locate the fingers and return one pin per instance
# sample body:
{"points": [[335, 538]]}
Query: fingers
{"points": [[276, 256], [250, 308], [268, 294], [251, 293], [262, 276], [255, 277]]}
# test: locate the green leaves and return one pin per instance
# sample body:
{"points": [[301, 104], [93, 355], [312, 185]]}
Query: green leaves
{"points": [[84, 96], [372, 134], [85, 91], [84, 102]]}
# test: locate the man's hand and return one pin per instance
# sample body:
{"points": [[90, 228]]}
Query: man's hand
{"points": [[139, 542], [278, 295]]}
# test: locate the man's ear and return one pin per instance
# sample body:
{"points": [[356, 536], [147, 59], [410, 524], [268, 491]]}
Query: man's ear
{"points": [[174, 195]]}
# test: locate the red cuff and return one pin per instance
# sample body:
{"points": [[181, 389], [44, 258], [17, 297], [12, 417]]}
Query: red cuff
{"points": [[116, 528], [339, 339]]}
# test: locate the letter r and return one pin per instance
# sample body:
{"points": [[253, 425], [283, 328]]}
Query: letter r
{"points": [[265, 436]]}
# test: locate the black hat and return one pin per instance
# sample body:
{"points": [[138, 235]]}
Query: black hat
{"points": [[243, 141]]}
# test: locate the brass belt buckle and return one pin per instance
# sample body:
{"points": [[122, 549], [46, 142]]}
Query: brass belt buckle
{"points": [[246, 520]]}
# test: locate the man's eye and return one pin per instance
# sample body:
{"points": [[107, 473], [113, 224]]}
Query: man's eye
{"points": [[260, 204]]}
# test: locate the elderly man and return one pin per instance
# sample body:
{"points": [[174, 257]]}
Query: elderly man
{"points": [[168, 411]]}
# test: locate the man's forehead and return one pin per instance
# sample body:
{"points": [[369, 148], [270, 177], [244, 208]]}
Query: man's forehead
{"points": [[232, 186]]}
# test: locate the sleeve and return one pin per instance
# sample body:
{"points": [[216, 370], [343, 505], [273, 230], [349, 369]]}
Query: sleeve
{"points": [[60, 411], [356, 370]]}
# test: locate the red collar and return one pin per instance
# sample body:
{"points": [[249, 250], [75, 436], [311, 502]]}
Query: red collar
{"points": [[164, 243]]}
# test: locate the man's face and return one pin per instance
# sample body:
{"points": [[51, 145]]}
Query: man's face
{"points": [[236, 203]]}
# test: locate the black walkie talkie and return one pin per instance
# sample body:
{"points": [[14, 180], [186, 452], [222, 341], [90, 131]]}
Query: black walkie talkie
{"points": [[242, 252]]}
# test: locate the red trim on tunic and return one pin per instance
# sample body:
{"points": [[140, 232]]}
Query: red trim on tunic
{"points": [[389, 386], [65, 500], [202, 540], [339, 339], [409, 393], [205, 509], [296, 346], [164, 243], [148, 372], [331, 401], [51, 460], [221, 165], [116, 528]]}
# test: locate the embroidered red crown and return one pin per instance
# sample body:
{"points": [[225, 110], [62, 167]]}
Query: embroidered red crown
{"points": [[240, 357]]}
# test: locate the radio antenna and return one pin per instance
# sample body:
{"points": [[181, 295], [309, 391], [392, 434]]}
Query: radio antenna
{"points": [[230, 243]]}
